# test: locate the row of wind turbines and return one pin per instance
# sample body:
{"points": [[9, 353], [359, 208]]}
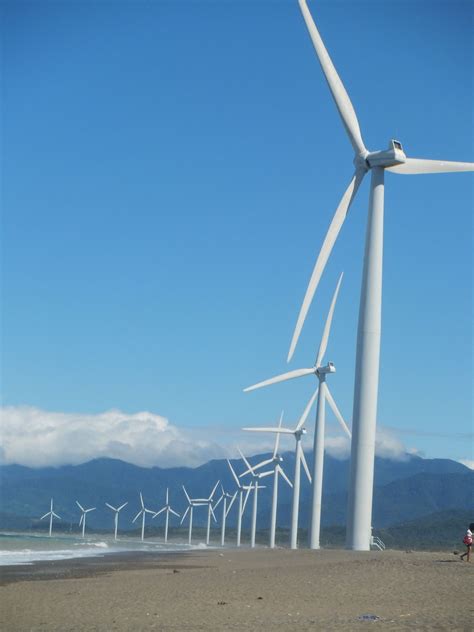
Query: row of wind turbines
{"points": [[364, 417], [268, 467]]}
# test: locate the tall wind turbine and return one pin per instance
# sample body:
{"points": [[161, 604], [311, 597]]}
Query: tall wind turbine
{"points": [[168, 510], [255, 485], [297, 432], [368, 337], [275, 460], [241, 490], [84, 513], [320, 371], [51, 514], [225, 496], [116, 510], [143, 511]]}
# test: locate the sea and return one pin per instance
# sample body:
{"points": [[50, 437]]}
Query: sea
{"points": [[27, 548]]}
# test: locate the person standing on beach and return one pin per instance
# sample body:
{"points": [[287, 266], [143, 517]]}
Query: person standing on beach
{"points": [[468, 542]]}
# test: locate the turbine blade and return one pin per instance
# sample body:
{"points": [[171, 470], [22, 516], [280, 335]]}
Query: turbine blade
{"points": [[328, 244], [214, 490], [245, 461], [160, 511], [141, 500], [415, 166], [282, 473], [212, 513], [249, 489], [230, 504], [184, 489], [167, 497], [233, 473], [280, 378], [174, 512], [306, 411], [339, 94], [110, 507], [305, 465], [80, 506], [263, 474], [277, 438], [56, 516], [327, 327], [81, 519], [185, 514], [337, 412], [217, 503], [138, 515], [45, 515], [280, 430], [91, 509], [122, 506]]}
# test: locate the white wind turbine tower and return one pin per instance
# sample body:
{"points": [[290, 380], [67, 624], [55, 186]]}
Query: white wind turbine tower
{"points": [[297, 432], [368, 337], [242, 502], [116, 510], [255, 485], [168, 510], [275, 460], [225, 509], [84, 513], [143, 511], [51, 514], [323, 394]]}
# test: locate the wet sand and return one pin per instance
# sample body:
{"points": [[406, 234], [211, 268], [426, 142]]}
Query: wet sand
{"points": [[260, 590]]}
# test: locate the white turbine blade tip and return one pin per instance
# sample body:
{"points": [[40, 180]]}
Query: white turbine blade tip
{"points": [[327, 327]]}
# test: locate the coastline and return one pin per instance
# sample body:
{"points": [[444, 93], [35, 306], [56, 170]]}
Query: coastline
{"points": [[240, 589]]}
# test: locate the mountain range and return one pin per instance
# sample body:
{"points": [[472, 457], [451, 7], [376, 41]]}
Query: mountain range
{"points": [[404, 491]]}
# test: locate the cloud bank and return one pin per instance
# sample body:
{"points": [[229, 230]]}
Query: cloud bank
{"points": [[39, 438]]}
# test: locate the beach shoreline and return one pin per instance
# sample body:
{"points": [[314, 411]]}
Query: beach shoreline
{"points": [[240, 589]]}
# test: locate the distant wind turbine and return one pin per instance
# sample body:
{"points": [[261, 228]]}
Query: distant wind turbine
{"points": [[51, 514], [200, 502], [241, 489], [84, 513], [116, 510], [323, 394], [369, 330], [225, 509], [255, 485], [143, 511], [275, 460], [168, 510], [297, 432]]}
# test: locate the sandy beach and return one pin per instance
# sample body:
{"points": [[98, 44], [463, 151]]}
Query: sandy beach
{"points": [[241, 590]]}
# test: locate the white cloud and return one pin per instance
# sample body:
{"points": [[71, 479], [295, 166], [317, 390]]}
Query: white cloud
{"points": [[468, 463], [38, 438]]}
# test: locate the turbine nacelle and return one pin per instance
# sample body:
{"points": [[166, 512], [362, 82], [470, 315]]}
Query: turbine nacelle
{"points": [[390, 157], [324, 370]]}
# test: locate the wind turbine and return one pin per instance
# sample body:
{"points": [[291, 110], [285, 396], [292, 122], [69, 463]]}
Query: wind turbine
{"points": [[297, 432], [242, 502], [368, 336], [225, 509], [84, 513], [275, 460], [117, 510], [143, 511], [255, 485], [168, 510], [200, 502], [51, 514], [323, 394]]}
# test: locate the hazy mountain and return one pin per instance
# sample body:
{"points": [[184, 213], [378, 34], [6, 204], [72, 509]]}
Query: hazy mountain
{"points": [[404, 490]]}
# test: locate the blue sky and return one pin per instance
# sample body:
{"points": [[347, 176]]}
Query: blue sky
{"points": [[170, 170]]}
